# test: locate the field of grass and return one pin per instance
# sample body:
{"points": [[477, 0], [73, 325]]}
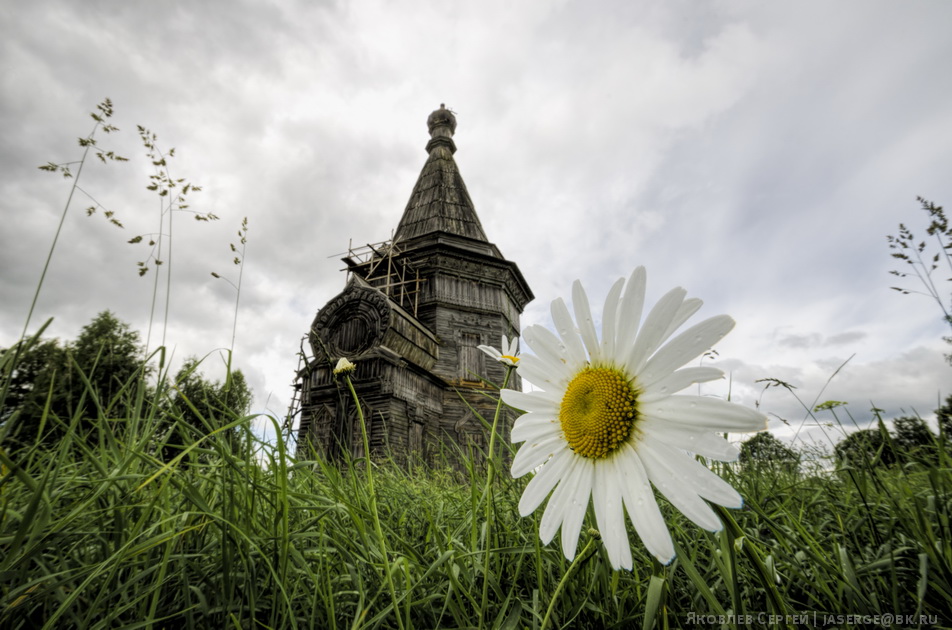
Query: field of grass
{"points": [[100, 532]]}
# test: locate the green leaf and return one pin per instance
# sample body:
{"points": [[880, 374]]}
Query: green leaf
{"points": [[653, 601]]}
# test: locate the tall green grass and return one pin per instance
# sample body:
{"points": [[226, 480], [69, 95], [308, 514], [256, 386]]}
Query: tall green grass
{"points": [[100, 531]]}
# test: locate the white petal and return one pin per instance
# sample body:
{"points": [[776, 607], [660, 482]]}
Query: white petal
{"points": [[541, 485], [566, 328], [689, 307], [510, 347], [541, 374], [535, 426], [537, 401], [654, 329], [575, 512], [610, 319], [554, 396], [702, 480], [490, 351], [556, 510], [702, 412], [641, 505], [629, 313], [610, 513], [704, 443], [679, 492], [583, 317], [533, 454], [685, 347], [676, 381], [547, 347]]}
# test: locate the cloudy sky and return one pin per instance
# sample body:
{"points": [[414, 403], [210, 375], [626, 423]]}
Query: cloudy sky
{"points": [[756, 154]]}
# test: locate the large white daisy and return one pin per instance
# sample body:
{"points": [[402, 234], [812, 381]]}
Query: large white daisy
{"points": [[605, 422]]}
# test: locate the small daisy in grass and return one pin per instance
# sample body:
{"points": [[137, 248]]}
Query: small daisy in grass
{"points": [[344, 366], [510, 351], [606, 424]]}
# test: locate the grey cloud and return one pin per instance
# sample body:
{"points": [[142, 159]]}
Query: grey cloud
{"points": [[801, 341], [846, 338], [814, 340]]}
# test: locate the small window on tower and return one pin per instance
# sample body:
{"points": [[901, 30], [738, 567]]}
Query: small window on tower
{"points": [[470, 357]]}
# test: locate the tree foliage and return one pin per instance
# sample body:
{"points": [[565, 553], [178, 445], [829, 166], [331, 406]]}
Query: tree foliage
{"points": [[200, 406], [868, 446], [763, 449], [944, 416], [910, 440], [911, 437], [33, 375], [54, 384], [54, 387], [202, 402], [109, 352]]}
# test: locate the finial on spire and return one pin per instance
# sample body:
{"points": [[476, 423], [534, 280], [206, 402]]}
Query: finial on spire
{"points": [[441, 118], [442, 125]]}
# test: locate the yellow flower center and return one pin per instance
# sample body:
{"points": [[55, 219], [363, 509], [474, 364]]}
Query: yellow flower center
{"points": [[598, 411], [511, 358]]}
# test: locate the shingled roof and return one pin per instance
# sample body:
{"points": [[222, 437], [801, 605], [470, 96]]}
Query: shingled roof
{"points": [[440, 202]]}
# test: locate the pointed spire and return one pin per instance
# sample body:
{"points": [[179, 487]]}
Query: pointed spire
{"points": [[439, 201]]}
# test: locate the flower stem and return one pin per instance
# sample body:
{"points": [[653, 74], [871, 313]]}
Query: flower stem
{"points": [[241, 272], [59, 228], [488, 493], [373, 503], [565, 578]]}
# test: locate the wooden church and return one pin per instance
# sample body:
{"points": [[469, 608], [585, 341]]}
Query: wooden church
{"points": [[411, 315]]}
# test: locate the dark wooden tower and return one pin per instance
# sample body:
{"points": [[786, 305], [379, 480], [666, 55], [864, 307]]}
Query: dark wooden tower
{"points": [[410, 317]]}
